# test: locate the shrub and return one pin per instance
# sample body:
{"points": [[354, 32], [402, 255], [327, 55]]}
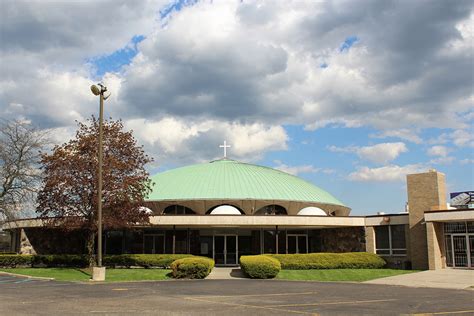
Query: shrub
{"points": [[13, 261], [192, 268], [77, 261], [142, 260], [349, 260], [260, 267]]}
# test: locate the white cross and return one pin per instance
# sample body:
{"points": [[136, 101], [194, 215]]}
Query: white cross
{"points": [[225, 146]]}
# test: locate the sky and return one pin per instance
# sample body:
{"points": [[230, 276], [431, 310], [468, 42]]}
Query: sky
{"points": [[349, 95]]}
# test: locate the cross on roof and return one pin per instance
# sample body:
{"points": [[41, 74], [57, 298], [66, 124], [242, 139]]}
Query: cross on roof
{"points": [[225, 146]]}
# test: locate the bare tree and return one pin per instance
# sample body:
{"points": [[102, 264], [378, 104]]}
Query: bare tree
{"points": [[20, 146]]}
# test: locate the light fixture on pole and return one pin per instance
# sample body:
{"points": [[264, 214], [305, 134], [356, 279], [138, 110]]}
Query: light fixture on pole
{"points": [[98, 272]]}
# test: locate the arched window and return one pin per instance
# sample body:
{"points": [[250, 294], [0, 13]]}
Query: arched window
{"points": [[224, 210], [178, 210], [271, 210]]}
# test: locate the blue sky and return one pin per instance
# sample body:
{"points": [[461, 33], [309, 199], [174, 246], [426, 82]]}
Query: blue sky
{"points": [[343, 96]]}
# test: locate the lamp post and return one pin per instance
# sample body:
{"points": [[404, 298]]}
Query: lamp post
{"points": [[98, 273]]}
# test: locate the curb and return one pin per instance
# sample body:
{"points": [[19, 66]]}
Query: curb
{"points": [[26, 276]]}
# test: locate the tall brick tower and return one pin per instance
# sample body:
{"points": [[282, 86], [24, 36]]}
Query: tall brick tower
{"points": [[425, 190]]}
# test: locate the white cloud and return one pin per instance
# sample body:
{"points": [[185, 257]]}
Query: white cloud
{"points": [[296, 170], [441, 151], [385, 174], [178, 140], [467, 161], [405, 134], [462, 138], [380, 153]]}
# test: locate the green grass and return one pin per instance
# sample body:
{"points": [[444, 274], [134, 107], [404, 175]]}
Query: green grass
{"points": [[355, 275], [112, 275]]}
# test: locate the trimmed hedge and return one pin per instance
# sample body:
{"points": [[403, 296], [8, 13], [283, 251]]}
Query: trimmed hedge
{"points": [[126, 260], [348, 260], [260, 266], [192, 268], [142, 260], [13, 261]]}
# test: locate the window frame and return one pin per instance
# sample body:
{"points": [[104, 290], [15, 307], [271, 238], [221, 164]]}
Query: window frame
{"points": [[390, 248]]}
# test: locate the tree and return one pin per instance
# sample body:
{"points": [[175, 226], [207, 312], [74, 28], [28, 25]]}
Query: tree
{"points": [[20, 146], [68, 198]]}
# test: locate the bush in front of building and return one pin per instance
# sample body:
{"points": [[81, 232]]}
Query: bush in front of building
{"points": [[142, 260], [13, 261], [76, 261], [260, 266], [348, 260], [192, 268]]}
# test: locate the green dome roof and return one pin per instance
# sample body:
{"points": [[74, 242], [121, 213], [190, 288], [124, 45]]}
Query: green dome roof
{"points": [[231, 180]]}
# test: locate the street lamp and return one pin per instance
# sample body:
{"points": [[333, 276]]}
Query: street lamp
{"points": [[98, 273]]}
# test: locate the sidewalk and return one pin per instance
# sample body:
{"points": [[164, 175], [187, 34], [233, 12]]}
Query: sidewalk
{"points": [[226, 273], [444, 278]]}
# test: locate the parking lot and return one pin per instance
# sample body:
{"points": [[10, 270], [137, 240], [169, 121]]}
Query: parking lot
{"points": [[19, 296]]}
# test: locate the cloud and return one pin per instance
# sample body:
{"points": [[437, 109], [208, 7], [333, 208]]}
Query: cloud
{"points": [[405, 134], [296, 170], [182, 141], [380, 153], [463, 138], [385, 174], [441, 151], [246, 68], [467, 161]]}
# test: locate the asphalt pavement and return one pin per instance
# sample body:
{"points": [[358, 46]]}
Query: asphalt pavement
{"points": [[226, 297]]}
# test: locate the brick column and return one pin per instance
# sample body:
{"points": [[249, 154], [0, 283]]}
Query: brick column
{"points": [[425, 190], [435, 245], [370, 239]]}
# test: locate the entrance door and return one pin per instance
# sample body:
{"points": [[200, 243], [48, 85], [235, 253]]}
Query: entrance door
{"points": [[460, 250], [154, 244], [297, 243], [225, 249]]}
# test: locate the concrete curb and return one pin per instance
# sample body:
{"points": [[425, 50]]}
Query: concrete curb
{"points": [[26, 276]]}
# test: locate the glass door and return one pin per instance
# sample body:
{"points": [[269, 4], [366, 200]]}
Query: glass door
{"points": [[297, 243], [225, 249], [154, 244], [460, 250]]}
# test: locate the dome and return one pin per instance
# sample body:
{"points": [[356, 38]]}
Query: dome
{"points": [[312, 210], [225, 210], [232, 180]]}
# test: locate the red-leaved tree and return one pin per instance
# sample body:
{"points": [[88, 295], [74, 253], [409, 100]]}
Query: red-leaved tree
{"points": [[68, 197]]}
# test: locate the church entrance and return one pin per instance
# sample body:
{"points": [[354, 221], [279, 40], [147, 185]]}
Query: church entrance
{"points": [[225, 250]]}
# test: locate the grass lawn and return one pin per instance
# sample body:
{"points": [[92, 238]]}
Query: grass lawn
{"points": [[112, 275], [356, 275]]}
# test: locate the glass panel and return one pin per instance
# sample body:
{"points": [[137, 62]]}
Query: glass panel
{"points": [[314, 241], [269, 242], [471, 249], [169, 241], [383, 251], [206, 246], [245, 246], [134, 242], [148, 244], [256, 246], [219, 249], [460, 251], [231, 250], [449, 251], [381, 237], [459, 227], [398, 236], [302, 244], [160, 244], [181, 241], [470, 227], [399, 251], [291, 244], [282, 242]]}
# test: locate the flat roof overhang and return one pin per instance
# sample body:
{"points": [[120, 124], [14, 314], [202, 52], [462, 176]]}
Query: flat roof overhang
{"points": [[283, 221], [450, 215], [247, 221]]}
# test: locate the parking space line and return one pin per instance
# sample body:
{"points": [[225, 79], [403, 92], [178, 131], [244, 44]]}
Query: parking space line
{"points": [[251, 306], [256, 295], [332, 303], [444, 313]]}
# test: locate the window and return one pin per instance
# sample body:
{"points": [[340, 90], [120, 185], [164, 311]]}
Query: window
{"points": [[178, 210], [390, 240], [271, 210]]}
